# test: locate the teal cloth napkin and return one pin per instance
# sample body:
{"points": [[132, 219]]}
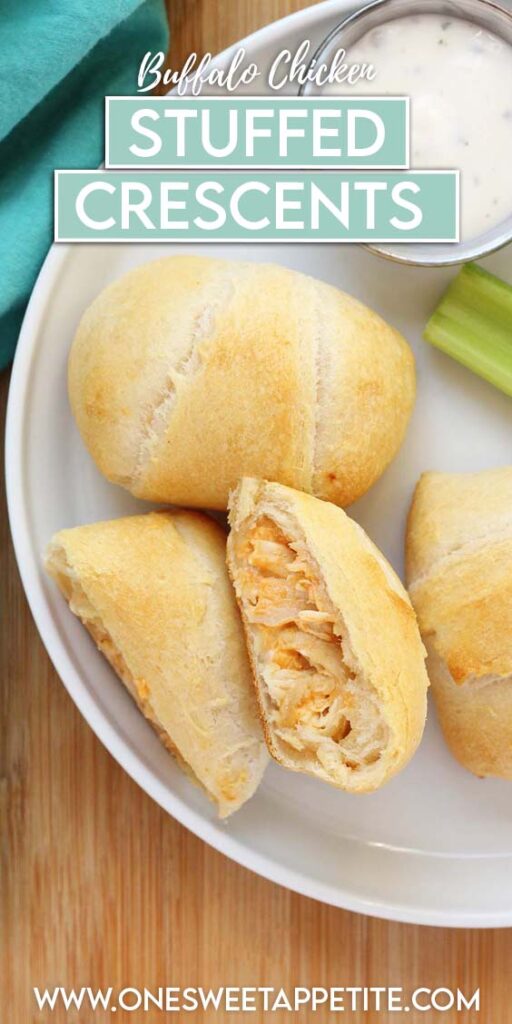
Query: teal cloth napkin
{"points": [[59, 60]]}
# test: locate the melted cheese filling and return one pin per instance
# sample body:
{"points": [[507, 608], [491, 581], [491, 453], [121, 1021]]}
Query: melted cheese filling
{"points": [[317, 703]]}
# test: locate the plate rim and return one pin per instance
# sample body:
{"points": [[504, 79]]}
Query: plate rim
{"points": [[30, 573]]}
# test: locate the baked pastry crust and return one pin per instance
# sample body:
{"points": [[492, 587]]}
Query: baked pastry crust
{"points": [[459, 570], [154, 593], [189, 372], [336, 652]]}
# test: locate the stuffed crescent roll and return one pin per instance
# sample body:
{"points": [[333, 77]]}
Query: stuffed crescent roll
{"points": [[190, 372], [335, 647], [459, 569], [153, 592]]}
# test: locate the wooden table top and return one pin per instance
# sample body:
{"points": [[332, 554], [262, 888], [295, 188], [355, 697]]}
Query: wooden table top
{"points": [[100, 887]]}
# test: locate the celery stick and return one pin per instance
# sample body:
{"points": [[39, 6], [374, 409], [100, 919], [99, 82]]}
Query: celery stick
{"points": [[473, 324]]}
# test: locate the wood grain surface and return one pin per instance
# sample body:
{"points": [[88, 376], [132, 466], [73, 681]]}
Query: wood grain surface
{"points": [[100, 887]]}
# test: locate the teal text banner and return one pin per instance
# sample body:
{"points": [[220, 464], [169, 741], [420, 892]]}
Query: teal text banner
{"points": [[258, 132], [229, 206]]}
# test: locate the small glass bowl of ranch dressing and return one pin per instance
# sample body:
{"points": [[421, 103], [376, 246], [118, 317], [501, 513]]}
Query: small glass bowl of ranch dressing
{"points": [[454, 59]]}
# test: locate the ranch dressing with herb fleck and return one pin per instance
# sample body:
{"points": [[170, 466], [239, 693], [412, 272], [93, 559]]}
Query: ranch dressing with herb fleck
{"points": [[459, 78]]}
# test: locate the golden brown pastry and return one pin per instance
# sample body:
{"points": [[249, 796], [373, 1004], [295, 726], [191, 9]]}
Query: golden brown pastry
{"points": [[335, 647], [154, 593], [459, 569], [189, 372]]}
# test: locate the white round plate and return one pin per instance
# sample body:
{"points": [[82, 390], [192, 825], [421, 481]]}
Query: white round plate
{"points": [[435, 845]]}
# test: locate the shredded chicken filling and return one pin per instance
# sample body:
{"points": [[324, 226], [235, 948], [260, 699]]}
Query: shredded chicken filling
{"points": [[318, 704]]}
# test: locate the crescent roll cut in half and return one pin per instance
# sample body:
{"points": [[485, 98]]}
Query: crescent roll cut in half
{"points": [[190, 372], [335, 647], [154, 593], [459, 568]]}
